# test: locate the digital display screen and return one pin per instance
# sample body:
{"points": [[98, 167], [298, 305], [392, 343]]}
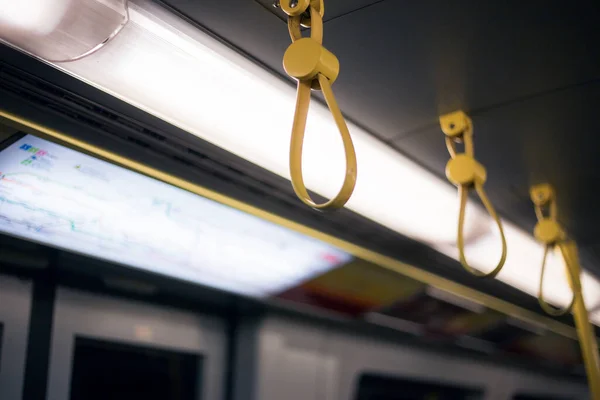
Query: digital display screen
{"points": [[57, 196]]}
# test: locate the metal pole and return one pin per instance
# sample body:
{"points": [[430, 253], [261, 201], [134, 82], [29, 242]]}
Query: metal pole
{"points": [[585, 330]]}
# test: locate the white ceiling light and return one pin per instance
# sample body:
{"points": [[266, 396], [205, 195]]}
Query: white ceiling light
{"points": [[61, 29], [163, 65]]}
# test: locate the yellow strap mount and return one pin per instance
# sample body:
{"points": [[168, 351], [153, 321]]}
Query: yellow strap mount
{"points": [[314, 67], [466, 173], [549, 232]]}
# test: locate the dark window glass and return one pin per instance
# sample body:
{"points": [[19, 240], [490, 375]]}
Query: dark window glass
{"points": [[1, 332], [372, 387], [106, 370], [536, 397]]}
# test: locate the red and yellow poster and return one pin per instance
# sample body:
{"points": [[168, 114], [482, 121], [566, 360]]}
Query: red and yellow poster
{"points": [[354, 288]]}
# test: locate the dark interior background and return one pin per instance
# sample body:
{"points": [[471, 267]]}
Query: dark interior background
{"points": [[528, 73]]}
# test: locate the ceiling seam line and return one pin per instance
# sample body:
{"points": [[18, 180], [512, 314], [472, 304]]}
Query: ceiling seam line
{"points": [[353, 11], [475, 112]]}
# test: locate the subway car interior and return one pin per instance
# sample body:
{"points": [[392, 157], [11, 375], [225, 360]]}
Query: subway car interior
{"points": [[299, 200]]}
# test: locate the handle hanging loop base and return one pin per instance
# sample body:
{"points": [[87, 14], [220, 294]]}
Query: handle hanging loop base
{"points": [[548, 309], [297, 141], [463, 195]]}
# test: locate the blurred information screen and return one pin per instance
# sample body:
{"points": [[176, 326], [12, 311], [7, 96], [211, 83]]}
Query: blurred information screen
{"points": [[57, 196]]}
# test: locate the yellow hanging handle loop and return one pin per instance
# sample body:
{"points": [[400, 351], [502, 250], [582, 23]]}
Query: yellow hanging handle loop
{"points": [[548, 231], [314, 67], [466, 173]]}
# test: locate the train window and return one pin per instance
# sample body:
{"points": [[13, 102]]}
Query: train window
{"points": [[108, 348], [1, 332], [374, 387], [536, 397], [15, 307], [107, 370]]}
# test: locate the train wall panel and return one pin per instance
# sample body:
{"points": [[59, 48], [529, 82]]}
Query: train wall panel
{"points": [[15, 308], [78, 314], [297, 361]]}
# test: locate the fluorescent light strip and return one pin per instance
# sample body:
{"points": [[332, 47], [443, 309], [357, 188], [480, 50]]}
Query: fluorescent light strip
{"points": [[170, 69]]}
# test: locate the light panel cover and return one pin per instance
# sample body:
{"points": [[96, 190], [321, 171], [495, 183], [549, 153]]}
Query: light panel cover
{"points": [[60, 197]]}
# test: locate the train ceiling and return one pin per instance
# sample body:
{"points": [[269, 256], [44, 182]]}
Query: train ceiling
{"points": [[528, 73]]}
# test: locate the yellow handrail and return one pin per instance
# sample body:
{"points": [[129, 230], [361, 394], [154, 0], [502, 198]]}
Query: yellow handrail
{"points": [[466, 173], [549, 232], [314, 67]]}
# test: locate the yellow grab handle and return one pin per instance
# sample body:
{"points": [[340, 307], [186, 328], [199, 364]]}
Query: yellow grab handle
{"points": [[463, 194], [550, 233], [298, 128], [466, 173], [555, 312], [314, 67]]}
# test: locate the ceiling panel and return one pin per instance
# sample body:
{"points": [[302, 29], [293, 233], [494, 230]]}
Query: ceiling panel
{"points": [[404, 62]]}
